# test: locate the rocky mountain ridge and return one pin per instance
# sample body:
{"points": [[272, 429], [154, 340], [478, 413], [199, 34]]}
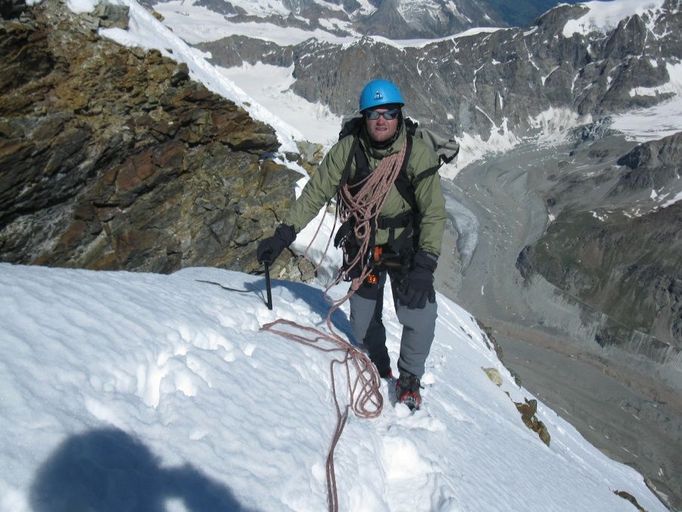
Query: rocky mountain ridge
{"points": [[619, 252], [505, 82], [396, 19], [112, 158]]}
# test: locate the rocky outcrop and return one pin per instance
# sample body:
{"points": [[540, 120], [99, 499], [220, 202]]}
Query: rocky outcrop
{"points": [[652, 166], [616, 242], [113, 158], [528, 410], [627, 268]]}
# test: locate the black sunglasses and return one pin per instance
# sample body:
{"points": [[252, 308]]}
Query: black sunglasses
{"points": [[389, 115]]}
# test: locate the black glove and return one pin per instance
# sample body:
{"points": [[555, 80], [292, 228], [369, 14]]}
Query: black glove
{"points": [[417, 287], [345, 232], [269, 248]]}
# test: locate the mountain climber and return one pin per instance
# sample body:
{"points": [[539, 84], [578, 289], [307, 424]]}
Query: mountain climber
{"points": [[404, 237]]}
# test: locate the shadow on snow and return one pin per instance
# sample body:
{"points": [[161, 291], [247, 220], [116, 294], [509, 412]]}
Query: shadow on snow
{"points": [[107, 470]]}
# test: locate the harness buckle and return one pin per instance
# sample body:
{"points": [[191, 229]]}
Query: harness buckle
{"points": [[377, 253]]}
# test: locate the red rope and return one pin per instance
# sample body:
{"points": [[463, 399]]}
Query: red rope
{"points": [[365, 400]]}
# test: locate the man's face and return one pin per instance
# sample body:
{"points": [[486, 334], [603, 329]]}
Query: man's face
{"points": [[382, 129]]}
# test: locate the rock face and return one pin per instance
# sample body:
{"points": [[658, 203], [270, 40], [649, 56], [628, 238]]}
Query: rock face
{"points": [[489, 83], [629, 269], [652, 166], [402, 19], [112, 158], [623, 258]]}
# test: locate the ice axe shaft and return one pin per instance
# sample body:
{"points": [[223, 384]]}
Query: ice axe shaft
{"points": [[268, 287]]}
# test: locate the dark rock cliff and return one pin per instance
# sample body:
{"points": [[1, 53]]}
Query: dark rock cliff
{"points": [[113, 158], [623, 256]]}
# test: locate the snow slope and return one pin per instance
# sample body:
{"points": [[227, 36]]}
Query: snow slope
{"points": [[130, 391]]}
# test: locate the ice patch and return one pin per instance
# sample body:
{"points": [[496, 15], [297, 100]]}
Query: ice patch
{"points": [[315, 121], [549, 127], [670, 202], [602, 218], [81, 6]]}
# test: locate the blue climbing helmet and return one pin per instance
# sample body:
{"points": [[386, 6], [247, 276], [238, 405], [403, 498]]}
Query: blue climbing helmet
{"points": [[380, 92]]}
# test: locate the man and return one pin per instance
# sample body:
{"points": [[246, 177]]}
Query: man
{"points": [[407, 233]]}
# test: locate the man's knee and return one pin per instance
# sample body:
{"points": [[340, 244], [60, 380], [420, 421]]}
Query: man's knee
{"points": [[420, 320], [361, 312]]}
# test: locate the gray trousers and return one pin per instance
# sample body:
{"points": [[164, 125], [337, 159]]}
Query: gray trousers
{"points": [[366, 306]]}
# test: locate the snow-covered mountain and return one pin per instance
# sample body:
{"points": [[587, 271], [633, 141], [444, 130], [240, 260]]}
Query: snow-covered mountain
{"points": [[143, 392], [487, 87], [389, 18]]}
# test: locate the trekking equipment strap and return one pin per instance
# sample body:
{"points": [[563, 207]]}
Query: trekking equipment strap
{"points": [[425, 174], [403, 184], [345, 174], [399, 221]]}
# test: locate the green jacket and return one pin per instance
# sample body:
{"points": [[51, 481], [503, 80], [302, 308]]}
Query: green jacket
{"points": [[430, 201]]}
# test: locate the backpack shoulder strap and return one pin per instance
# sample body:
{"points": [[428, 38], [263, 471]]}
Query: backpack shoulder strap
{"points": [[352, 126], [425, 174], [402, 182], [345, 174]]}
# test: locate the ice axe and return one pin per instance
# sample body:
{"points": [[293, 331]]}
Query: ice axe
{"points": [[268, 287]]}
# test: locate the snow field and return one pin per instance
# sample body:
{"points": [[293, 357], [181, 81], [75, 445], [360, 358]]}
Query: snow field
{"points": [[179, 364]]}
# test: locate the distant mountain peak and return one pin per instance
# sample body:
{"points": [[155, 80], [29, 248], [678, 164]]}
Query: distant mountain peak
{"points": [[398, 19]]}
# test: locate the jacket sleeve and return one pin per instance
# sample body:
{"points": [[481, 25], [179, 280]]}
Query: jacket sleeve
{"points": [[430, 200], [321, 186]]}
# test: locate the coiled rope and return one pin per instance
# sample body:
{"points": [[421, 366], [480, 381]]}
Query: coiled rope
{"points": [[361, 202]]}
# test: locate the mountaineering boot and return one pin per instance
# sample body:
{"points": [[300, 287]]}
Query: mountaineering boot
{"points": [[407, 390]]}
